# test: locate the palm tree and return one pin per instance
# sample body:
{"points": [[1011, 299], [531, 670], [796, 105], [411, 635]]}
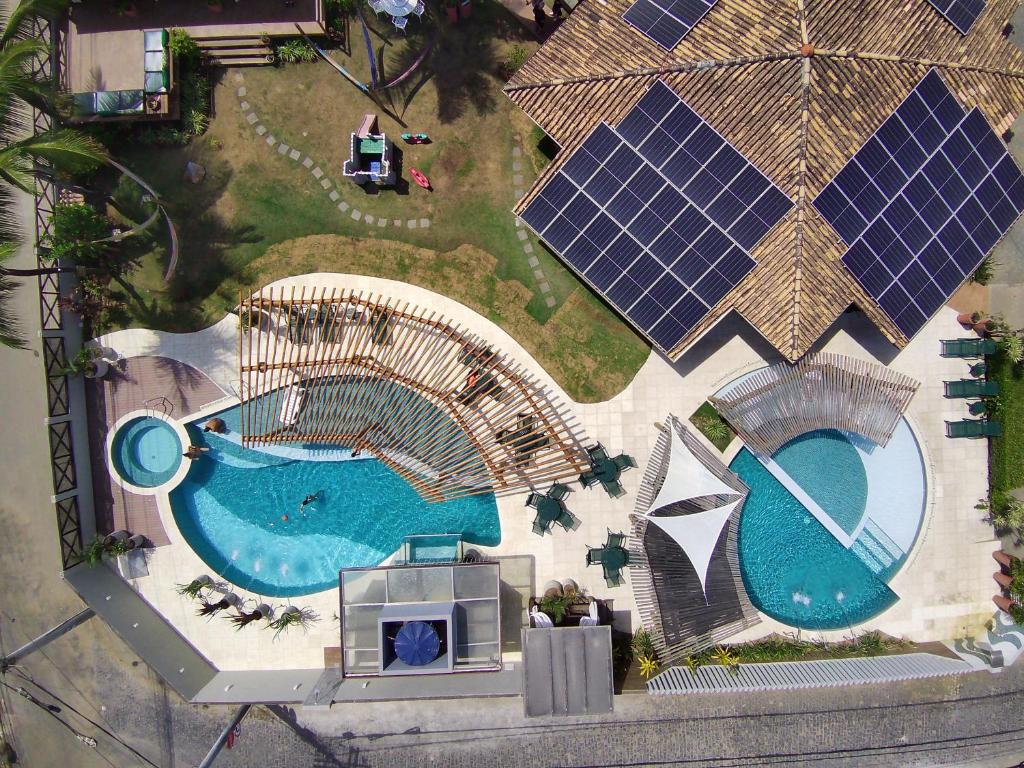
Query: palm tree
{"points": [[22, 150]]}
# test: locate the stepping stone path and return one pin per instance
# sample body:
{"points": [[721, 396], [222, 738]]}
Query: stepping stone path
{"points": [[524, 237], [308, 163]]}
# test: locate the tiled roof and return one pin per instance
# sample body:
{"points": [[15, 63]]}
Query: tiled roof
{"points": [[797, 91]]}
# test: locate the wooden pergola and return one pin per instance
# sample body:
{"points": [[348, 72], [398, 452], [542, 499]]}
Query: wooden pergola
{"points": [[436, 403], [823, 391]]}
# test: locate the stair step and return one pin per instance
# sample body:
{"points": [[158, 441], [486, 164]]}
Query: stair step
{"points": [[239, 42], [243, 61], [228, 53]]}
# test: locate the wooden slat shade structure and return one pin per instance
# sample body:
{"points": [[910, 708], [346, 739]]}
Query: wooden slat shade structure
{"points": [[435, 402], [823, 391], [666, 586]]}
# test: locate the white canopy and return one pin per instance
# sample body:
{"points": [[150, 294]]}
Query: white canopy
{"points": [[686, 477], [697, 534]]}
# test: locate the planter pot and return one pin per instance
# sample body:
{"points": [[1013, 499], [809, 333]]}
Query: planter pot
{"points": [[232, 599], [98, 369], [266, 611], [120, 535], [966, 319], [1002, 603], [138, 541], [1003, 579], [1004, 558], [570, 587], [552, 588], [981, 328]]}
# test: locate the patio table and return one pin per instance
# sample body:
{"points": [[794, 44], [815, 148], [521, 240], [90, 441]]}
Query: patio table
{"points": [[548, 509], [397, 7], [605, 470], [614, 558]]}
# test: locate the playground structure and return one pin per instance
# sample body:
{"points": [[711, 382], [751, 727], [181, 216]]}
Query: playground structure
{"points": [[370, 157]]}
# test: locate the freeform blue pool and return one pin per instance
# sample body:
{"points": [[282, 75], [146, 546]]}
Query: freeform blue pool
{"points": [[793, 568], [146, 452], [230, 508]]}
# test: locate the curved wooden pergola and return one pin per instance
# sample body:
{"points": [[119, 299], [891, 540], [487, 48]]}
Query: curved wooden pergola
{"points": [[433, 401]]}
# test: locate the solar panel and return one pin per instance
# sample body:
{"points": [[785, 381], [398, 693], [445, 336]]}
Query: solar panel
{"points": [[666, 22], [922, 203], [663, 246], [960, 13]]}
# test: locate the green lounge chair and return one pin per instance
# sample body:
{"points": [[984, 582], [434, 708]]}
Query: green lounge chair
{"points": [[559, 491], [974, 428], [623, 462], [971, 388], [968, 347], [978, 408], [594, 555]]}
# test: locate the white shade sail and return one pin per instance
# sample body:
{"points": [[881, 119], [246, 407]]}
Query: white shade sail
{"points": [[697, 534], [686, 477]]}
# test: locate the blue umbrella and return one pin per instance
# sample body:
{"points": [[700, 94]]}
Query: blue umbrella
{"points": [[417, 643]]}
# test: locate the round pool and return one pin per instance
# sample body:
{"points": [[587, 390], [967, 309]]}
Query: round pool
{"points": [[146, 452], [827, 523]]}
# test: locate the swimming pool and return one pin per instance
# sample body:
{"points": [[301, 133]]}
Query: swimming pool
{"points": [[146, 452], [230, 506], [793, 567]]}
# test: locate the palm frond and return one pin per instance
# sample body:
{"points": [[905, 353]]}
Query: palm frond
{"points": [[17, 81], [10, 328], [66, 149], [16, 169], [19, 21]]}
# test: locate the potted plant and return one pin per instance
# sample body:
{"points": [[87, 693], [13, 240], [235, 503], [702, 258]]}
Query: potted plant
{"points": [[293, 617], [94, 552], [207, 608], [196, 587], [1005, 559], [969, 319], [87, 363], [556, 605], [245, 618]]}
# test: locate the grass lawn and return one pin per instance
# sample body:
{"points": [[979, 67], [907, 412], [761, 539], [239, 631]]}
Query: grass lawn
{"points": [[712, 425], [251, 218], [1006, 468]]}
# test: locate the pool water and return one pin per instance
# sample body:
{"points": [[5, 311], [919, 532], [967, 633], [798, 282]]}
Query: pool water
{"points": [[826, 465], [146, 451], [231, 504]]}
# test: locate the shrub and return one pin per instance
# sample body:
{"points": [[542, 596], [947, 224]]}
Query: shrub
{"points": [[983, 274], [76, 228], [1013, 347], [184, 48], [516, 57], [1009, 516], [195, 103], [556, 606], [713, 428], [294, 51]]}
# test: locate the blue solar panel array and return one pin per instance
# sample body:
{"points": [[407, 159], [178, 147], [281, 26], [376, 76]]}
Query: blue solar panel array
{"points": [[960, 13], [666, 22], [658, 214], [922, 203]]}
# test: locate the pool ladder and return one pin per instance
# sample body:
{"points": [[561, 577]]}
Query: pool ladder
{"points": [[161, 404]]}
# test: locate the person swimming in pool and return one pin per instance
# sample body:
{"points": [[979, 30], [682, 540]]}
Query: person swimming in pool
{"points": [[308, 500]]}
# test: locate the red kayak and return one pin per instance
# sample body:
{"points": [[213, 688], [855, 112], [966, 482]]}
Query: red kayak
{"points": [[419, 178]]}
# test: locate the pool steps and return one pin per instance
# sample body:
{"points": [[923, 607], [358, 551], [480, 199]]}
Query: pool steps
{"points": [[872, 546]]}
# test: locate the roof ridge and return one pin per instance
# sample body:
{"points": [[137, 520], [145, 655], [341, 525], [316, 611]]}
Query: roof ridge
{"points": [[889, 58], [801, 184], [687, 66]]}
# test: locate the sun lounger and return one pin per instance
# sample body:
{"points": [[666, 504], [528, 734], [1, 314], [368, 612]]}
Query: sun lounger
{"points": [[968, 347], [971, 388], [973, 428], [291, 405]]}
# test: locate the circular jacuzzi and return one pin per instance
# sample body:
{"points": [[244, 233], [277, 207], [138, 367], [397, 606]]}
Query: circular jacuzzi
{"points": [[146, 452]]}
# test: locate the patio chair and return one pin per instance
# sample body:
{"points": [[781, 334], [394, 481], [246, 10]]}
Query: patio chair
{"points": [[978, 370], [588, 479], [533, 500], [974, 428], [613, 488], [419, 9], [978, 408], [613, 578], [568, 520], [594, 555], [376, 6], [400, 23], [597, 452], [539, 528], [968, 347], [624, 462], [614, 539], [971, 388], [559, 491]]}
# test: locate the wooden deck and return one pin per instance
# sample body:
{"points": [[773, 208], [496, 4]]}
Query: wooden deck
{"points": [[668, 591], [123, 390], [797, 89]]}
